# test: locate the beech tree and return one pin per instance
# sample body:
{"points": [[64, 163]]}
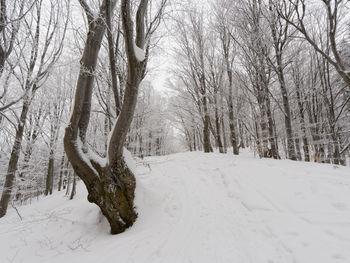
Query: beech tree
{"points": [[110, 184]]}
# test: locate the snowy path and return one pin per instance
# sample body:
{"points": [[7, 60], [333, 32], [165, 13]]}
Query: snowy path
{"points": [[196, 207]]}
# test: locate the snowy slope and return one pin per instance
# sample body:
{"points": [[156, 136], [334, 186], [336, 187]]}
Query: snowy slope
{"points": [[196, 207]]}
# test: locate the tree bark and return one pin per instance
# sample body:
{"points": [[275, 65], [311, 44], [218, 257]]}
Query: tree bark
{"points": [[297, 147], [206, 123], [112, 59], [60, 181], [271, 128], [231, 118], [264, 136], [111, 187], [15, 154], [217, 126], [49, 176], [73, 192], [223, 132]]}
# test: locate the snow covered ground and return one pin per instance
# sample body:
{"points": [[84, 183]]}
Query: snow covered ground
{"points": [[196, 207]]}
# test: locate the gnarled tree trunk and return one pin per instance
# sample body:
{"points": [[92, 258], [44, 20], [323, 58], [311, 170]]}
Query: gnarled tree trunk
{"points": [[111, 186]]}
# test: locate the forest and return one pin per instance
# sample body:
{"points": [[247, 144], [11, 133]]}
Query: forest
{"points": [[90, 86]]}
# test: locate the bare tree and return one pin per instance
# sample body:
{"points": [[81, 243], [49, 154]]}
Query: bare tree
{"points": [[334, 11], [56, 109], [36, 69], [280, 35], [110, 185], [193, 47], [254, 49], [299, 82], [225, 31]]}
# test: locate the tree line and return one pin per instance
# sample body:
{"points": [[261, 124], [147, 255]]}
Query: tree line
{"points": [[271, 75]]}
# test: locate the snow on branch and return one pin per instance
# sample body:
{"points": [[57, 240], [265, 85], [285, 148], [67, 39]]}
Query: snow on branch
{"points": [[139, 53]]}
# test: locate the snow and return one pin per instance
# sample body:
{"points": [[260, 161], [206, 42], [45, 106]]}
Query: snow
{"points": [[196, 207], [97, 158], [109, 137], [85, 157], [130, 161], [139, 53]]}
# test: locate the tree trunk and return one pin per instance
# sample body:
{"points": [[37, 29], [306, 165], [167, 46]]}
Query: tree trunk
{"points": [[223, 132], [26, 159], [112, 57], [258, 141], [264, 136], [314, 123], [15, 153], [226, 48], [297, 147], [49, 176], [302, 124], [110, 187], [60, 181], [150, 143], [287, 113], [271, 128], [217, 126], [66, 174], [280, 37], [231, 118], [72, 194], [206, 123], [241, 143], [336, 150], [69, 175]]}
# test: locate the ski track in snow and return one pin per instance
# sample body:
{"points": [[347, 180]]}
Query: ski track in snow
{"points": [[196, 207]]}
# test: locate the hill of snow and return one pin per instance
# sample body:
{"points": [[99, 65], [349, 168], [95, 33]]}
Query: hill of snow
{"points": [[196, 207]]}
